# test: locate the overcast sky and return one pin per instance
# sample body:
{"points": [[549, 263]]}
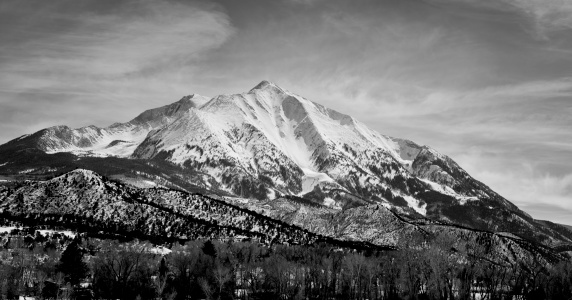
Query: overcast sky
{"points": [[487, 82]]}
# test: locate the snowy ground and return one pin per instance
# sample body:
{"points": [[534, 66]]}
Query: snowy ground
{"points": [[43, 232]]}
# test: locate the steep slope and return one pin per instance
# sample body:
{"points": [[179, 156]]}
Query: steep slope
{"points": [[291, 142], [268, 143], [87, 202], [380, 225], [119, 139]]}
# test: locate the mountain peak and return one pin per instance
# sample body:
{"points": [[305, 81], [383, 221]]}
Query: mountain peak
{"points": [[188, 97], [194, 100], [265, 84]]}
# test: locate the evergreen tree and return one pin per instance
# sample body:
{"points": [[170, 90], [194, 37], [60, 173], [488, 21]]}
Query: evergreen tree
{"points": [[163, 269], [209, 249], [72, 265]]}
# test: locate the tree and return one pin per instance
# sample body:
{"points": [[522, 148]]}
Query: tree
{"points": [[160, 282], [209, 249], [122, 272], [442, 263], [72, 265], [222, 276]]}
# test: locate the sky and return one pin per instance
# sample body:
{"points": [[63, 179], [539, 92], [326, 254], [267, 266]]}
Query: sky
{"points": [[487, 82]]}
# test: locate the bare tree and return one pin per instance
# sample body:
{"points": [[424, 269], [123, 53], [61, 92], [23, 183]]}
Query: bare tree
{"points": [[117, 265], [206, 287], [222, 276]]}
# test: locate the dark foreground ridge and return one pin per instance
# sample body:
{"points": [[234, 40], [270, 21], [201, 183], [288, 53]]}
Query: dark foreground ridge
{"points": [[84, 201]]}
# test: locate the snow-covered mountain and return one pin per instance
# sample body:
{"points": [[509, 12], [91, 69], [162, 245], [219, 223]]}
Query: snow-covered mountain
{"points": [[291, 143], [119, 139], [269, 142]]}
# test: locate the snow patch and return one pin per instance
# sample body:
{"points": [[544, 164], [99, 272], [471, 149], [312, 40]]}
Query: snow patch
{"points": [[44, 232], [149, 182], [311, 179], [237, 199], [331, 203], [415, 204], [463, 200], [27, 171], [67, 233], [160, 250], [24, 136], [271, 194], [449, 191], [7, 229], [440, 188]]}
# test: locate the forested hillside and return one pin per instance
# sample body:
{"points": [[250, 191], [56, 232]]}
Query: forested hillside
{"points": [[46, 264], [87, 202]]}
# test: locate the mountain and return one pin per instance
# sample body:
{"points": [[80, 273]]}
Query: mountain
{"points": [[119, 139], [269, 143], [379, 225], [84, 201]]}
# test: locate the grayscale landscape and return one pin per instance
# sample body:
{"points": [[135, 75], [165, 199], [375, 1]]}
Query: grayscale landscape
{"points": [[291, 149]]}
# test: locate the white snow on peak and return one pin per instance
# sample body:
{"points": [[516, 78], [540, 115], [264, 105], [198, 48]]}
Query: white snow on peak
{"points": [[302, 130], [266, 85], [257, 132], [119, 139]]}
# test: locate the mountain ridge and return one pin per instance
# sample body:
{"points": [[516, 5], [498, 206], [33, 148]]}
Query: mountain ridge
{"points": [[268, 143], [84, 201]]}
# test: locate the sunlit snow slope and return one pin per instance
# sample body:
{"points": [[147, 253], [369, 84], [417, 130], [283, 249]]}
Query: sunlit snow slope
{"points": [[270, 142], [119, 139]]}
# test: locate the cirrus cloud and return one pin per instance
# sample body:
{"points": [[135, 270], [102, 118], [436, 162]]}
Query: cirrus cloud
{"points": [[68, 57], [544, 16]]}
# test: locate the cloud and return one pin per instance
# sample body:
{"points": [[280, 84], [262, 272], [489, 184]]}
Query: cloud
{"points": [[544, 16], [78, 58], [549, 15], [541, 194], [304, 2], [396, 100], [134, 38], [514, 138]]}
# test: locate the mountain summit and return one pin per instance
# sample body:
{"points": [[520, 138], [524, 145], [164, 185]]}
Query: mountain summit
{"points": [[269, 143]]}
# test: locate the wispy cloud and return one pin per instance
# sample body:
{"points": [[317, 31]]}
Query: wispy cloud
{"points": [[303, 2], [549, 15], [75, 58], [544, 16], [541, 194]]}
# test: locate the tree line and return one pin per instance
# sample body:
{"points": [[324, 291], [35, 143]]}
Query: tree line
{"points": [[58, 266]]}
